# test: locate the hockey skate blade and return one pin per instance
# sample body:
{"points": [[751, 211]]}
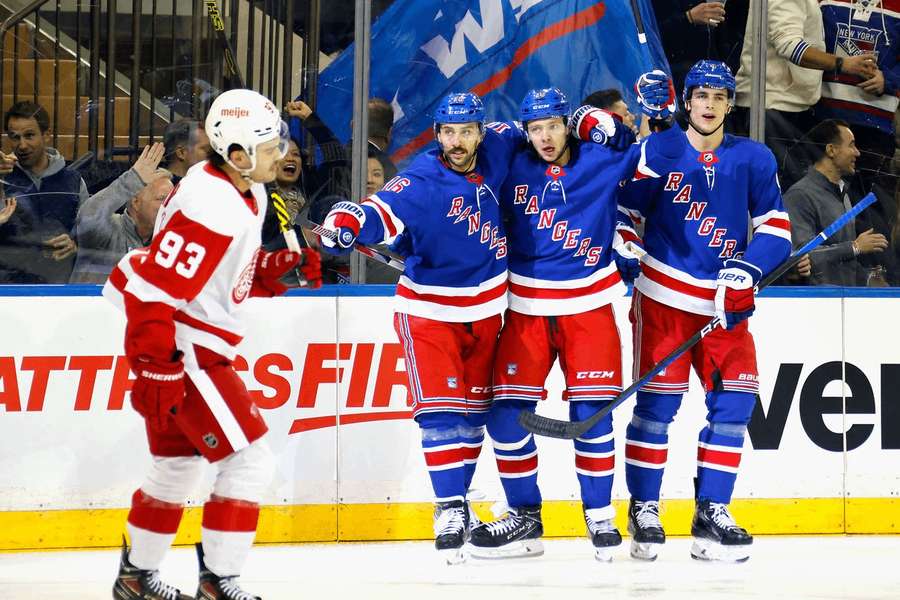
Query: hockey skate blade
{"points": [[520, 549], [709, 550], [644, 551], [604, 555], [453, 556]]}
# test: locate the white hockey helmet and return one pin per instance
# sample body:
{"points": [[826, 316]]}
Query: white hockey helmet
{"points": [[244, 118]]}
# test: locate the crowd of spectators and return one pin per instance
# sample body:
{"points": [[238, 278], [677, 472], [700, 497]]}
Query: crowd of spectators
{"points": [[831, 96]]}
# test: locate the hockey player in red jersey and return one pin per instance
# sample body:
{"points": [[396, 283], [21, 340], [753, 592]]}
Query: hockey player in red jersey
{"points": [[183, 298], [700, 262], [568, 244]]}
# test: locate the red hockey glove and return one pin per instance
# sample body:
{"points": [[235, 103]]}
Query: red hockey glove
{"points": [[159, 389], [345, 219], [599, 126], [311, 267], [270, 268], [734, 292]]}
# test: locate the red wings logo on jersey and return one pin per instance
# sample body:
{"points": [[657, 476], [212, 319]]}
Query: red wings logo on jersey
{"points": [[245, 281]]}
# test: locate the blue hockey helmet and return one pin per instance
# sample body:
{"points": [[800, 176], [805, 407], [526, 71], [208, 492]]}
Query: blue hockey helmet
{"points": [[465, 107], [544, 104], [712, 74]]}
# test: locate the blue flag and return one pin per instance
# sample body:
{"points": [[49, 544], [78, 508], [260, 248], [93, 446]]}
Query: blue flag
{"points": [[423, 50]]}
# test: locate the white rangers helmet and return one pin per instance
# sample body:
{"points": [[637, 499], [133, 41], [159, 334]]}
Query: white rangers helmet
{"points": [[247, 119]]}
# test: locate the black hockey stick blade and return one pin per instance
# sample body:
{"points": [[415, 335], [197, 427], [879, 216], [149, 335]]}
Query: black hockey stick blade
{"points": [[569, 430]]}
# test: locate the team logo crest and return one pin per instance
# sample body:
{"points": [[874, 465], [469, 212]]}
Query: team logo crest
{"points": [[709, 160], [245, 282], [475, 178]]}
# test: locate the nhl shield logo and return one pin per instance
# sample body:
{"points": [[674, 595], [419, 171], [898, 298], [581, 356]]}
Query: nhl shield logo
{"points": [[512, 368], [452, 383], [210, 440]]}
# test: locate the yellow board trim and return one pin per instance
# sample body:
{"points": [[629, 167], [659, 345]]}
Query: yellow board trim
{"points": [[103, 528]]}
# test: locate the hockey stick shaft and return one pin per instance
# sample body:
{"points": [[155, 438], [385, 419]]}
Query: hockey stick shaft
{"points": [[290, 236], [218, 24], [362, 249], [570, 430]]}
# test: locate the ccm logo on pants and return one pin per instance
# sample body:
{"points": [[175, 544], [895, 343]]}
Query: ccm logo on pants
{"points": [[595, 374]]}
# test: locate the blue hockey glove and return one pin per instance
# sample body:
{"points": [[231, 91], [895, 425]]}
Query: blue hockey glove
{"points": [[628, 250], [656, 95]]}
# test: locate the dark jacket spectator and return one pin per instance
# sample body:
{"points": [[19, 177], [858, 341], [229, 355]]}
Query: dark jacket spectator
{"points": [[822, 196], [37, 241]]}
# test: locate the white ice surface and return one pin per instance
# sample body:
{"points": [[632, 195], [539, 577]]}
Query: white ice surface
{"points": [[831, 567]]}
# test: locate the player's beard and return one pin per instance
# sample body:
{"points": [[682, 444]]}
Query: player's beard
{"points": [[464, 163]]}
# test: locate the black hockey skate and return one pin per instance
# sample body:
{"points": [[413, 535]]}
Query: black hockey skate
{"points": [[717, 536], [645, 528], [139, 584], [515, 535], [451, 530], [213, 587], [604, 536]]}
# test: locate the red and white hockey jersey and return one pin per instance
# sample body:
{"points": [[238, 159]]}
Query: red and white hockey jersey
{"points": [[197, 273]]}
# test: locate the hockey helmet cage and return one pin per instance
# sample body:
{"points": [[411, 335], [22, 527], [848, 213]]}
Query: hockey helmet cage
{"points": [[711, 74], [244, 118]]}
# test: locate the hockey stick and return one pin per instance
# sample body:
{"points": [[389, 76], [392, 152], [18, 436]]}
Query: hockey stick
{"points": [[372, 253], [290, 236], [568, 430], [232, 72]]}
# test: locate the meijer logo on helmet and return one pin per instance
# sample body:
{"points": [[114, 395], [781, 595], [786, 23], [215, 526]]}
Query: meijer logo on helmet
{"points": [[235, 112]]}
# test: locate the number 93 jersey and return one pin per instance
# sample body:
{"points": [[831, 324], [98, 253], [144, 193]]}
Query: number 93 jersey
{"points": [[201, 261]]}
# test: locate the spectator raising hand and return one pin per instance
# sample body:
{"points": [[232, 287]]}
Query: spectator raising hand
{"points": [[146, 164], [298, 109]]}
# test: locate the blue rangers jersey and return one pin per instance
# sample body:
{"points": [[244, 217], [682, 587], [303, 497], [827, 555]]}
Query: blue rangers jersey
{"points": [[699, 213], [561, 221], [454, 240]]}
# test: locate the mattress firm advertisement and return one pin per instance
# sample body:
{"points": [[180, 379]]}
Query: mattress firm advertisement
{"points": [[328, 374]]}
